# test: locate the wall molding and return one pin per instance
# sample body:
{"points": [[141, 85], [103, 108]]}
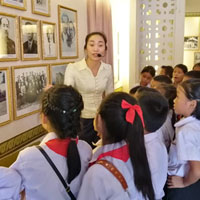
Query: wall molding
{"points": [[192, 14]]}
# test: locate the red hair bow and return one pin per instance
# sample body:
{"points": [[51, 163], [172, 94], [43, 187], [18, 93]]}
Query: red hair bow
{"points": [[130, 114]]}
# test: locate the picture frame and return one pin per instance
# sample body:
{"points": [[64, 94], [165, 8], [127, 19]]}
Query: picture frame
{"points": [[28, 83], [41, 7], [196, 57], [191, 43], [30, 38], [18, 4], [49, 40], [5, 98], [9, 40], [68, 32], [57, 73]]}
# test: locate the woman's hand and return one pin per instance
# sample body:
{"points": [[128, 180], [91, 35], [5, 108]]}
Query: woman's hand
{"points": [[175, 182]]}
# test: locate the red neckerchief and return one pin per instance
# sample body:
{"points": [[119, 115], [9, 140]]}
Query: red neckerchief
{"points": [[60, 146], [121, 153]]}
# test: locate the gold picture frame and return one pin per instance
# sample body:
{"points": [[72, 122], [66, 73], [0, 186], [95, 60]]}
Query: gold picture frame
{"points": [[30, 38], [28, 83], [5, 96], [49, 40], [41, 7], [9, 40], [20, 4], [68, 32], [57, 73]]}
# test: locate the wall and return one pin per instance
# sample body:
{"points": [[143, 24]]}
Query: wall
{"points": [[18, 126]]}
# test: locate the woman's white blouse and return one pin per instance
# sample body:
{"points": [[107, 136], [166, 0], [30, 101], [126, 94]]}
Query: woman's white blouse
{"points": [[186, 147], [91, 87]]}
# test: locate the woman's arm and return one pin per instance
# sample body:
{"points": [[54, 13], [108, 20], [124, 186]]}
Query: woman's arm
{"points": [[192, 176]]}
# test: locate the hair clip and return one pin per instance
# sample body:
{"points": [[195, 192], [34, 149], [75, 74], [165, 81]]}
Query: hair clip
{"points": [[64, 111], [74, 110]]}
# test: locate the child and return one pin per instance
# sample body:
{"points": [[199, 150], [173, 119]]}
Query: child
{"points": [[61, 109], [167, 129], [166, 70], [146, 76], [120, 123], [184, 157], [191, 74], [178, 73], [160, 79], [155, 108], [196, 67]]}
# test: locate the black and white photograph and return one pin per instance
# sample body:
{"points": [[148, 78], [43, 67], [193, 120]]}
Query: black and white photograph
{"points": [[18, 4], [191, 43], [196, 57], [5, 104], [9, 37], [57, 73], [68, 39], [49, 40], [28, 84], [30, 38], [41, 7]]}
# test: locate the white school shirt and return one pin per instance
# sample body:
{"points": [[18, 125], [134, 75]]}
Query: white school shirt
{"points": [[167, 130], [100, 184], [91, 87], [39, 179], [158, 162], [186, 147], [10, 183]]}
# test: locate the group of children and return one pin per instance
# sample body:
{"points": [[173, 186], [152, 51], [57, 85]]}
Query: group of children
{"points": [[140, 156]]}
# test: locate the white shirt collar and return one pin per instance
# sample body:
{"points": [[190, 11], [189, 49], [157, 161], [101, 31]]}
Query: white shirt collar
{"points": [[49, 136], [184, 121]]}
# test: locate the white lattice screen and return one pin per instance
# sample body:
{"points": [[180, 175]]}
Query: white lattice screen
{"points": [[156, 32]]}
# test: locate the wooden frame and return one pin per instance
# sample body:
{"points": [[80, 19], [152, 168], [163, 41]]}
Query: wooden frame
{"points": [[20, 4], [68, 32], [5, 98], [30, 31], [41, 7], [28, 83], [191, 43], [49, 40], [9, 37], [196, 57], [57, 73]]}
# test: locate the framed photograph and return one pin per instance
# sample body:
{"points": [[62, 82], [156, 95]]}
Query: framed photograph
{"points": [[30, 38], [191, 43], [41, 7], [5, 98], [68, 32], [57, 73], [28, 83], [18, 4], [196, 57], [9, 37], [49, 40]]}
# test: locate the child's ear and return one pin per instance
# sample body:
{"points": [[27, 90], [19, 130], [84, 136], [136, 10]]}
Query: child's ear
{"points": [[193, 104], [44, 118]]}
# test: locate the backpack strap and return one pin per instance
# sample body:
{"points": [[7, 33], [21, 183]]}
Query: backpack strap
{"points": [[110, 167], [67, 188]]}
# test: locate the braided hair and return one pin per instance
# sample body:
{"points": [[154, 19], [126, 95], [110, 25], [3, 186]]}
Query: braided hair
{"points": [[62, 106]]}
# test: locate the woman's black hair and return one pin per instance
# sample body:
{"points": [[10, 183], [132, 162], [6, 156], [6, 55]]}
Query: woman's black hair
{"points": [[182, 67], [163, 79], [118, 129], [191, 89], [62, 105], [149, 69], [134, 89], [95, 33]]}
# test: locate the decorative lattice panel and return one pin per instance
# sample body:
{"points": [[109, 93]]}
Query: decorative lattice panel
{"points": [[156, 32]]}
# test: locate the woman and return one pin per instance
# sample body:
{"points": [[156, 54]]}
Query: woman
{"points": [[93, 79]]}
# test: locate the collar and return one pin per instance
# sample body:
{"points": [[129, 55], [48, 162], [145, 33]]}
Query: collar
{"points": [[184, 121], [116, 150], [151, 136]]}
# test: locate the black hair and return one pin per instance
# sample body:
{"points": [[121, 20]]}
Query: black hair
{"points": [[192, 91], [193, 74], [154, 106], [134, 89], [118, 129], [182, 67], [168, 70], [162, 79], [95, 33], [149, 69], [196, 65], [62, 105]]}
